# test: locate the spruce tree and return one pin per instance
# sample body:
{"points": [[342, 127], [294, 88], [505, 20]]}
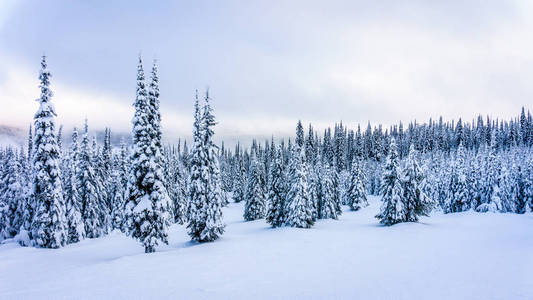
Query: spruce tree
{"points": [[117, 191], [102, 186], [299, 204], [458, 194], [490, 200], [276, 191], [356, 192], [12, 192], [239, 187], [327, 201], [88, 190], [392, 208], [147, 204], [48, 228], [255, 206], [76, 227], [416, 202], [179, 189], [205, 199]]}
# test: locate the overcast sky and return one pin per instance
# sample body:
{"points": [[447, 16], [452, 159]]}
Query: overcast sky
{"points": [[269, 63]]}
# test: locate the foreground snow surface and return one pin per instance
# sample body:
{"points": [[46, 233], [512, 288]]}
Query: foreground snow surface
{"points": [[455, 256]]}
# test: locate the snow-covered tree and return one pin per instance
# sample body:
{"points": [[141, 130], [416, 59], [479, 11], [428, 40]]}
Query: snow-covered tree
{"points": [[356, 193], [458, 193], [416, 202], [75, 225], [490, 200], [276, 191], [299, 205], [205, 199], [239, 185], [147, 204], [179, 190], [48, 228], [255, 206], [326, 202], [392, 208], [12, 192], [88, 189]]}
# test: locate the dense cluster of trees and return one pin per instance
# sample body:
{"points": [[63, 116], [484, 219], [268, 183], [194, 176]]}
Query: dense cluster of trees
{"points": [[52, 195]]}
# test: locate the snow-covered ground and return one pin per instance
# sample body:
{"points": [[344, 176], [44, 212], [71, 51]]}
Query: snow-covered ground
{"points": [[455, 256]]}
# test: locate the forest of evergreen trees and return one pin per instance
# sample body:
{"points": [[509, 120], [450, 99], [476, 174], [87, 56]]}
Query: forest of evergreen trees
{"points": [[53, 194]]}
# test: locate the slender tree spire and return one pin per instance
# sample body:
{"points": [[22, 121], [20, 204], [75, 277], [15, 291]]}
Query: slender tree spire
{"points": [[148, 205], [49, 223]]}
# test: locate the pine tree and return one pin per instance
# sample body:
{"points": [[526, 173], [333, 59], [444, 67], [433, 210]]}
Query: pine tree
{"points": [[255, 206], [48, 223], [120, 183], [239, 187], [117, 192], [12, 192], [337, 193], [299, 204], [356, 192], [4, 219], [102, 186], [88, 190], [490, 200], [75, 225], [276, 191], [205, 199], [179, 190], [416, 202], [392, 208], [315, 185], [458, 194], [327, 203], [147, 208]]}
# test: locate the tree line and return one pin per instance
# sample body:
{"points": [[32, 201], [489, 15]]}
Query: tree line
{"points": [[52, 195]]}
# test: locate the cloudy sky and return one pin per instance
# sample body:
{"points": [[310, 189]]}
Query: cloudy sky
{"points": [[269, 63]]}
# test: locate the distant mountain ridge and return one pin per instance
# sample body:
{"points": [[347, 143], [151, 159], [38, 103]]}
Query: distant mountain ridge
{"points": [[12, 136]]}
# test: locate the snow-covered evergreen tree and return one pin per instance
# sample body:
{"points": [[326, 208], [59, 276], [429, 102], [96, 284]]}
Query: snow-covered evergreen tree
{"points": [[179, 189], [75, 225], [299, 205], [276, 191], [147, 204], [239, 186], [88, 190], [255, 206], [117, 190], [327, 201], [48, 228], [416, 202], [102, 185], [356, 192], [392, 208], [205, 199], [490, 200], [119, 179], [458, 193], [12, 192]]}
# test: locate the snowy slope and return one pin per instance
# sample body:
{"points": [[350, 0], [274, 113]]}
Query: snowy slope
{"points": [[455, 256]]}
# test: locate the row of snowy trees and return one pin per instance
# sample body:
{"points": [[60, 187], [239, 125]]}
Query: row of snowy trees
{"points": [[52, 195]]}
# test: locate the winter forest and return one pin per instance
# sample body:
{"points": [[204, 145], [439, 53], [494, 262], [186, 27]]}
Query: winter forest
{"points": [[54, 194], [266, 150]]}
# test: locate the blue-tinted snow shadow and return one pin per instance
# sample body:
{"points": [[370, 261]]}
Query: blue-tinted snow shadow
{"points": [[402, 224]]}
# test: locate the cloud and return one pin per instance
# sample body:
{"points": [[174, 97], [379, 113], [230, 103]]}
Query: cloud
{"points": [[268, 66]]}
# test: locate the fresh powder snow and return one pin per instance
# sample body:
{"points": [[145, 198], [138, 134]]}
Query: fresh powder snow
{"points": [[465, 255]]}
